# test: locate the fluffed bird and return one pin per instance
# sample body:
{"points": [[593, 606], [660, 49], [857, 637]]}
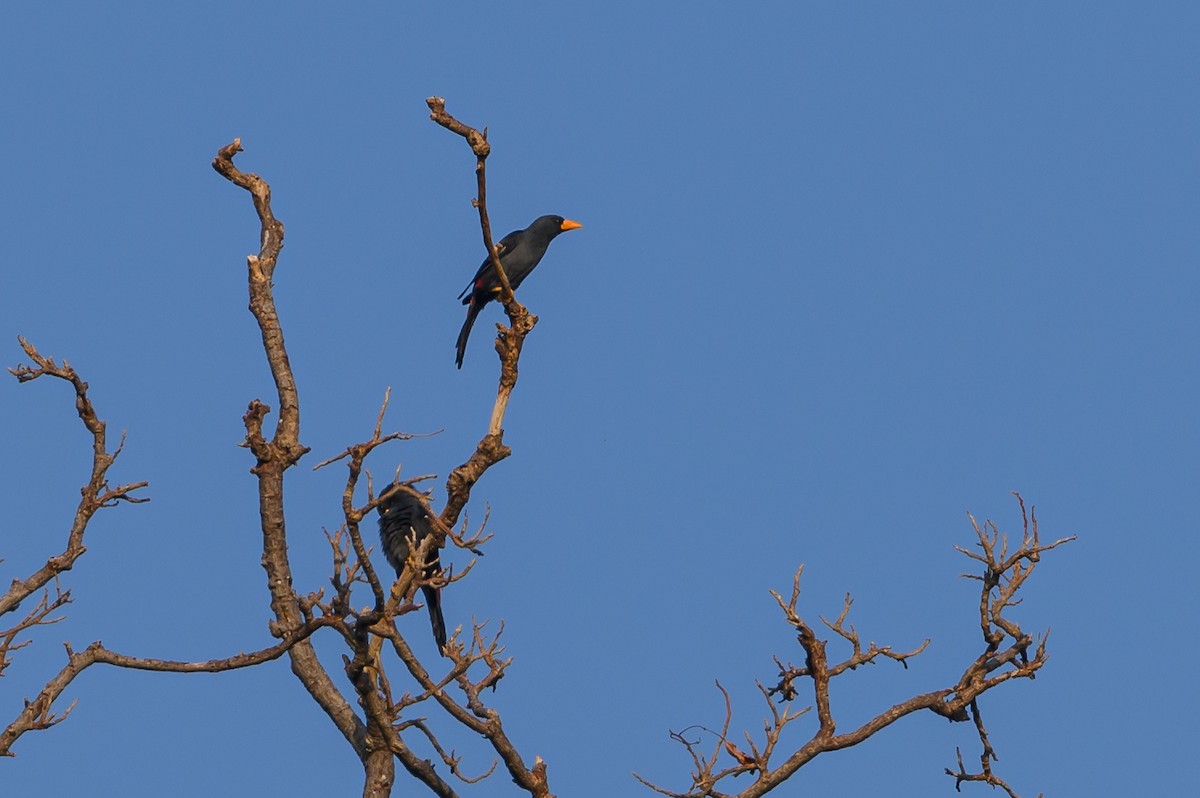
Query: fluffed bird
{"points": [[403, 523], [520, 251]]}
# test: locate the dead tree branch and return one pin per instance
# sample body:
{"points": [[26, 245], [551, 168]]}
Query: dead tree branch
{"points": [[367, 671], [96, 493], [38, 713], [509, 340], [1008, 653], [38, 616], [376, 736], [274, 457]]}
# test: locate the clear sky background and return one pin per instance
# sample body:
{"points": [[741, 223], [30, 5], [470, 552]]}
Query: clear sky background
{"points": [[849, 271]]}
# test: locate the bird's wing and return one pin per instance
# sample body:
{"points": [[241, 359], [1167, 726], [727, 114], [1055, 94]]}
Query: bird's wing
{"points": [[501, 250]]}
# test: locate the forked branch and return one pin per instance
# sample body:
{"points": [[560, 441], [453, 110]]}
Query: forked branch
{"points": [[273, 457], [1007, 653], [510, 339], [96, 493]]}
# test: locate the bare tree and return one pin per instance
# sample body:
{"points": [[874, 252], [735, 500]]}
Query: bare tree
{"points": [[383, 725]]}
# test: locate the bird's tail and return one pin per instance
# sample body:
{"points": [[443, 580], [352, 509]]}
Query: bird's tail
{"points": [[433, 600], [465, 333]]}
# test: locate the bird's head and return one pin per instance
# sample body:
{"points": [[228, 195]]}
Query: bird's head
{"points": [[553, 225]]}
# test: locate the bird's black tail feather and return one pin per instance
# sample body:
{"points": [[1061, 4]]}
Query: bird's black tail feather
{"points": [[465, 332], [433, 600]]}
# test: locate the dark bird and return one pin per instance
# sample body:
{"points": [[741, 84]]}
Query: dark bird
{"points": [[402, 521], [520, 251]]}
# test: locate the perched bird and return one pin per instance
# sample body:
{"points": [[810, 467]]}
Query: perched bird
{"points": [[520, 251], [402, 520]]}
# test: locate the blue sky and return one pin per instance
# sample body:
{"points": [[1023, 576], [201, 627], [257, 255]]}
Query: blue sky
{"points": [[848, 272]]}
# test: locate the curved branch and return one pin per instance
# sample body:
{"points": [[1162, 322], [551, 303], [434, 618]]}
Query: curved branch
{"points": [[38, 714], [96, 494], [509, 341], [475, 715], [1004, 573], [275, 456]]}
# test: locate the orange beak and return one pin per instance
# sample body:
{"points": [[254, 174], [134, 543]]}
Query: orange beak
{"points": [[568, 224]]}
